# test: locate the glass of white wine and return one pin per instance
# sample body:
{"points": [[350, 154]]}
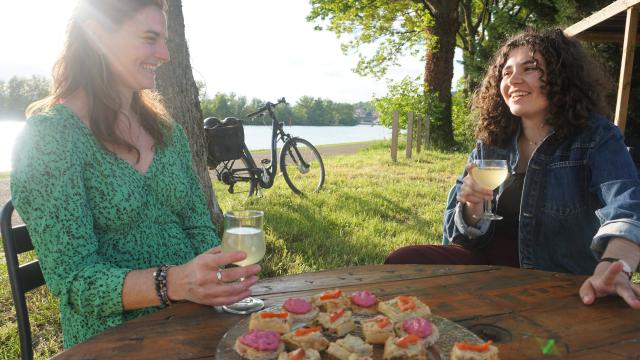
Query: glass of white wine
{"points": [[490, 174], [243, 232]]}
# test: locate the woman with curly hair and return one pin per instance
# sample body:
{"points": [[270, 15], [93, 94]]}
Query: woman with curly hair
{"points": [[572, 200]]}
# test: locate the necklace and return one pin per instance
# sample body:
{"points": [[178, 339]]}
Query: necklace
{"points": [[535, 143], [540, 140]]}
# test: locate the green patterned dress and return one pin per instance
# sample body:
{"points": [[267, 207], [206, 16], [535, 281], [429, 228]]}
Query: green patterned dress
{"points": [[93, 217]]}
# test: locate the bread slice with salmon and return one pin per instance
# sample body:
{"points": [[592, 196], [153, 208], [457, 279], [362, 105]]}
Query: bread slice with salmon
{"points": [[403, 307], [268, 320], [470, 351]]}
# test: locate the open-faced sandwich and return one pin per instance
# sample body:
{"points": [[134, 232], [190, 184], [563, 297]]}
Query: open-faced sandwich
{"points": [[307, 338], [339, 322], [420, 327], [259, 345], [377, 330], [342, 349], [468, 351], [408, 347], [330, 301], [300, 354], [403, 307], [300, 310], [267, 320], [363, 302]]}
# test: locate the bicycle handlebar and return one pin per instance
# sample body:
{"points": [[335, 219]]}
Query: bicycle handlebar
{"points": [[267, 106]]}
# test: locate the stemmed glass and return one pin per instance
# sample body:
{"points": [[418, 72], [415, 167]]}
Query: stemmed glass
{"points": [[489, 174], [243, 232]]}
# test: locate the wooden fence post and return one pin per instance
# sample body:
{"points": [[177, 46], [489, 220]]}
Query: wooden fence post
{"points": [[418, 133], [394, 137], [409, 134], [427, 130]]}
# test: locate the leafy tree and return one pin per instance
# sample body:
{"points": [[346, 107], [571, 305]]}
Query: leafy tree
{"points": [[404, 96], [307, 111], [176, 84], [415, 27], [18, 92]]}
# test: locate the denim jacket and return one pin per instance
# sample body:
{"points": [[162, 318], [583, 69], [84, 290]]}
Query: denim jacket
{"points": [[578, 192]]}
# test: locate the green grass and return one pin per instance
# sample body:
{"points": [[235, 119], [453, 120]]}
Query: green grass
{"points": [[368, 207]]}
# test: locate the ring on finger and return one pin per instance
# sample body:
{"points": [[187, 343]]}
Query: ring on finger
{"points": [[219, 275]]}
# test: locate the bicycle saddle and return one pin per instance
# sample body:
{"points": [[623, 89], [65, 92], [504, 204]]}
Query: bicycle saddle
{"points": [[211, 122], [230, 121]]}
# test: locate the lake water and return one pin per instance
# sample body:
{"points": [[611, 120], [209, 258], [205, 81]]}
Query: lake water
{"points": [[256, 137]]}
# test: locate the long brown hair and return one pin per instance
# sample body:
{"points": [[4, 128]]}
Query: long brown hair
{"points": [[81, 66], [574, 84]]}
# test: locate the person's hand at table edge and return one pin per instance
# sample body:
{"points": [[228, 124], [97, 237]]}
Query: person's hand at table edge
{"points": [[609, 278]]}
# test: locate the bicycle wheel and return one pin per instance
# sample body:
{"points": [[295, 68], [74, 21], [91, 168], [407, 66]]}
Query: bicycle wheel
{"points": [[302, 166]]}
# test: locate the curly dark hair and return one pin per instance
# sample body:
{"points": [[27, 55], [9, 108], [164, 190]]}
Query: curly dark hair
{"points": [[575, 86]]}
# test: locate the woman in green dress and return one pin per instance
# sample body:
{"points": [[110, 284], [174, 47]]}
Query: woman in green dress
{"points": [[103, 179]]}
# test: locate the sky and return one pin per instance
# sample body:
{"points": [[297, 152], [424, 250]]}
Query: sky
{"points": [[254, 48]]}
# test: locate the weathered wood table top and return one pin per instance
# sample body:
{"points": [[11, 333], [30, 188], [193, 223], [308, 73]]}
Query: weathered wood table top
{"points": [[521, 309]]}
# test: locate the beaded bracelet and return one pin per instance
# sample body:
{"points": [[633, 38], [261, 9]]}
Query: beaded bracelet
{"points": [[160, 279]]}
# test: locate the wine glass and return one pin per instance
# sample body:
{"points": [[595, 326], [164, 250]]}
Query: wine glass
{"points": [[243, 232], [489, 174]]}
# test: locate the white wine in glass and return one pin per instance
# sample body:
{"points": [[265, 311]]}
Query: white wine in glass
{"points": [[247, 239], [489, 174], [243, 232]]}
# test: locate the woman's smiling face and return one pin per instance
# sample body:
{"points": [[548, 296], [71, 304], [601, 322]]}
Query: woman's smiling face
{"points": [[522, 84], [137, 48]]}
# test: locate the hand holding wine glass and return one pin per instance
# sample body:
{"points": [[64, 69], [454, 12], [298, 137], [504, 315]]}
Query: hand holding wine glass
{"points": [[489, 174], [243, 232]]}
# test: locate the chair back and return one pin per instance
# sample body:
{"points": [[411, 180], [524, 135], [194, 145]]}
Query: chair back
{"points": [[23, 278]]}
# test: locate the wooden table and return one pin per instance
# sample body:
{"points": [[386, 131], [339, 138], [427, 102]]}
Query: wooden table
{"points": [[520, 307]]}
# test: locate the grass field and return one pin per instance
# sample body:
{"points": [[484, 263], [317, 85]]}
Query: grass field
{"points": [[368, 207]]}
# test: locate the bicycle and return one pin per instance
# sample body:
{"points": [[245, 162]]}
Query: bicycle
{"points": [[300, 162]]}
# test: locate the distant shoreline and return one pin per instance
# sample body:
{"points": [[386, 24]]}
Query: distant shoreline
{"points": [[325, 150]]}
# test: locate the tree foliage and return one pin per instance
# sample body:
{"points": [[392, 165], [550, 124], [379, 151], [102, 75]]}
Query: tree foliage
{"points": [[306, 111], [18, 92], [380, 32], [396, 27]]}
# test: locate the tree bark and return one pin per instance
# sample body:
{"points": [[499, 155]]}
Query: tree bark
{"points": [[438, 72], [176, 84]]}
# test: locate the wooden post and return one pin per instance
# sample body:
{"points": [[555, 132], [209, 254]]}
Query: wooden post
{"points": [[409, 134], [624, 84], [394, 137], [418, 133], [427, 130]]}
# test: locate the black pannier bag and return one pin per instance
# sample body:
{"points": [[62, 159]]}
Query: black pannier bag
{"points": [[225, 139]]}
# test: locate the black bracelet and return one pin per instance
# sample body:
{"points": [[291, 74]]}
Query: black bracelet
{"points": [[626, 270], [160, 280]]}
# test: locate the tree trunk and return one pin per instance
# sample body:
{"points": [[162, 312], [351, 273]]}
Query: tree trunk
{"points": [[176, 84], [438, 72]]}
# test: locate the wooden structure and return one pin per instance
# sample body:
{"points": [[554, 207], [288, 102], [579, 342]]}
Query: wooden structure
{"points": [[529, 314], [395, 132], [618, 22], [409, 148]]}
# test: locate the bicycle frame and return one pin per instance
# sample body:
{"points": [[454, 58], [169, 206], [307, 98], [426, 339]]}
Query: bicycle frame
{"points": [[265, 177]]}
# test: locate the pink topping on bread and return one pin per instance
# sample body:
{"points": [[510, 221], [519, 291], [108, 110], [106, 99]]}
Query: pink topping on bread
{"points": [[364, 299], [418, 326], [297, 306], [261, 340]]}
